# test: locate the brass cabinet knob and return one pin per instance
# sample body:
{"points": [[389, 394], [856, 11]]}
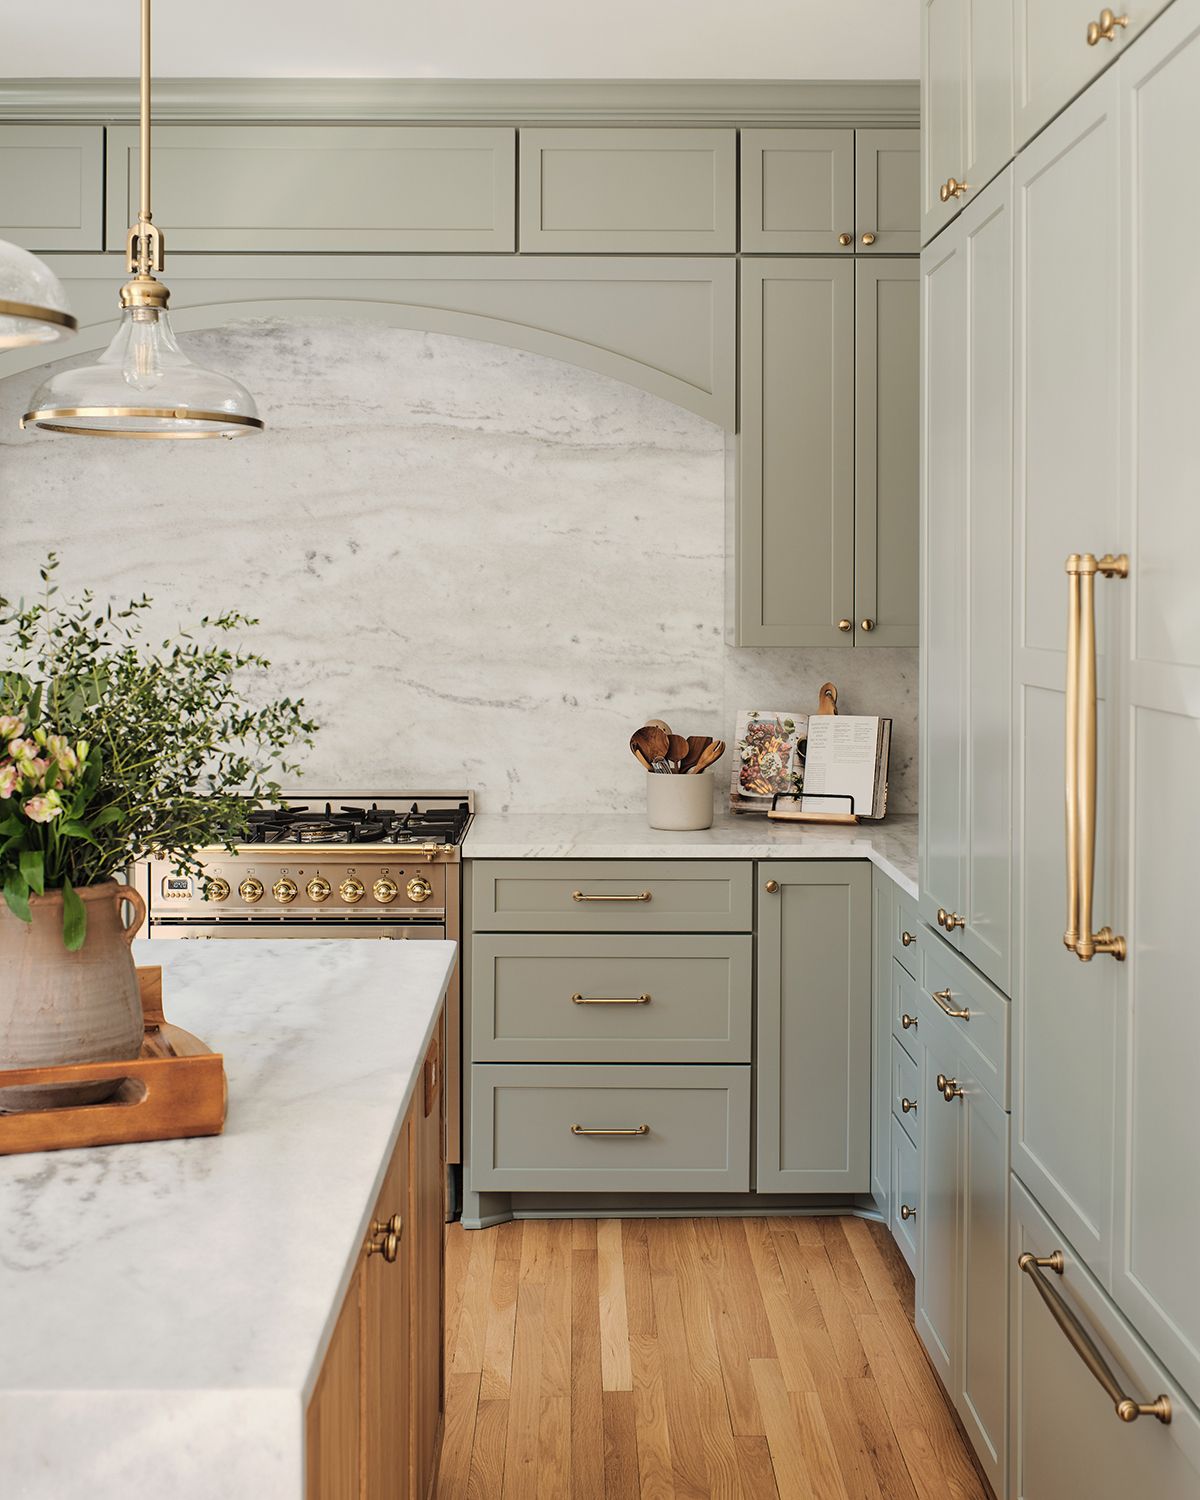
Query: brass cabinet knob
{"points": [[394, 1225], [387, 1245], [251, 890], [949, 919], [1105, 29], [949, 1087], [909, 1023], [952, 188], [908, 938], [909, 1106], [772, 886], [867, 624], [419, 889], [868, 238], [845, 239], [385, 891], [318, 889], [845, 625], [906, 1212], [217, 890], [351, 891], [944, 192]]}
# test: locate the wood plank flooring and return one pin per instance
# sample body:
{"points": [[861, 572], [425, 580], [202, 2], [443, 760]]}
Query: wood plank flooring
{"points": [[690, 1359]]}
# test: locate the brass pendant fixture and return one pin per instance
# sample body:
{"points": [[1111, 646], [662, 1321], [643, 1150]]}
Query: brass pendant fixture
{"points": [[144, 385], [33, 305]]}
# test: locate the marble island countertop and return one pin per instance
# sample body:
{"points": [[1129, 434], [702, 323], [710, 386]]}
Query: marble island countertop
{"points": [[892, 844], [164, 1307]]}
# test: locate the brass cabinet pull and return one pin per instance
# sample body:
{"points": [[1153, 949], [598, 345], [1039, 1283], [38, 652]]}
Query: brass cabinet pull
{"points": [[845, 239], [909, 1106], [1081, 1341], [906, 1212], [1080, 740], [907, 1022], [949, 919], [585, 896], [1105, 29], [868, 238], [388, 1245], [908, 938], [394, 1225], [597, 1130], [772, 886], [943, 998], [867, 624], [578, 999], [845, 625], [952, 188], [949, 1087]]}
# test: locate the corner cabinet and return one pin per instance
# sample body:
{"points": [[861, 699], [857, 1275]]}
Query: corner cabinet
{"points": [[814, 1027], [827, 507]]}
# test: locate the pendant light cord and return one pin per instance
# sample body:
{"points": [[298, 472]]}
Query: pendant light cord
{"points": [[145, 244], [144, 214]]}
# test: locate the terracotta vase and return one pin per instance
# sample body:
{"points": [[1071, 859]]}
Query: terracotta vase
{"points": [[63, 1007]]}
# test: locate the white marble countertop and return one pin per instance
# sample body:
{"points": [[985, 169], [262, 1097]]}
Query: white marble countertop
{"points": [[892, 844], [164, 1307]]}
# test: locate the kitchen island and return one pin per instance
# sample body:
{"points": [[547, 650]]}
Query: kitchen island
{"points": [[167, 1308]]}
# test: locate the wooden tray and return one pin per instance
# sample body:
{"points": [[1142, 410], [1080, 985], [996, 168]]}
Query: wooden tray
{"points": [[175, 1088]]}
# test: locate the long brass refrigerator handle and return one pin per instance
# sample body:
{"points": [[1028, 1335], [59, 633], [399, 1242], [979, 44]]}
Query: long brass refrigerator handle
{"points": [[1081, 738], [1081, 1341]]}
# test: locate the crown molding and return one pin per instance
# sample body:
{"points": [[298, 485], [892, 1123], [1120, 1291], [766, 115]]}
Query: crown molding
{"points": [[882, 102]]}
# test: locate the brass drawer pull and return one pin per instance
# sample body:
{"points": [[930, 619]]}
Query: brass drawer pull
{"points": [[597, 1130], [583, 896], [908, 938], [578, 999], [909, 1106], [949, 1087], [907, 1022], [1080, 1340], [943, 998], [1105, 28], [906, 1212]]}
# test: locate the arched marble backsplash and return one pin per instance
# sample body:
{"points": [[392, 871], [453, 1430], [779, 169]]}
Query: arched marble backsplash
{"points": [[479, 566]]}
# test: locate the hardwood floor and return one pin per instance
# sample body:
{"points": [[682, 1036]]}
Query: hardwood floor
{"points": [[690, 1359]]}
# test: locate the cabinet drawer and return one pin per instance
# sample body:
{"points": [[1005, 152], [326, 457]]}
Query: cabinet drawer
{"points": [[798, 191], [312, 188], [611, 998], [684, 1128], [983, 1033], [603, 895], [906, 1191], [907, 934], [632, 191], [52, 186], [905, 1020], [1067, 1437], [906, 1088]]}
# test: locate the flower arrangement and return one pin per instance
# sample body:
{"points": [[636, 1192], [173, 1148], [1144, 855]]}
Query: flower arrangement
{"points": [[111, 747]]}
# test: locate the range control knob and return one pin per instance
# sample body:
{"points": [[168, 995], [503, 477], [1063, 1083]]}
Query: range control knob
{"points": [[352, 891], [419, 889], [251, 890], [319, 889], [285, 892], [217, 889], [385, 891]]}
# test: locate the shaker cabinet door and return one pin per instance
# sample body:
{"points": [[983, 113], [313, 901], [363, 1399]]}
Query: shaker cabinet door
{"points": [[798, 192], [887, 192], [943, 110]]}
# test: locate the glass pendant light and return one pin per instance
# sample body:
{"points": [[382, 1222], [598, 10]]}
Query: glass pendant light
{"points": [[33, 305], [144, 385]]}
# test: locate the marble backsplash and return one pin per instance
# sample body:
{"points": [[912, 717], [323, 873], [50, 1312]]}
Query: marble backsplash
{"points": [[480, 567]]}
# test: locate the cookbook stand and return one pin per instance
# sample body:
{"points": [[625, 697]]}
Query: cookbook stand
{"points": [[826, 704], [176, 1087]]}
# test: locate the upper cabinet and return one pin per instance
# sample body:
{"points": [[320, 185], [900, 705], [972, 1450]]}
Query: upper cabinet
{"points": [[1061, 45], [52, 186], [966, 103], [320, 188], [829, 192], [652, 191]]}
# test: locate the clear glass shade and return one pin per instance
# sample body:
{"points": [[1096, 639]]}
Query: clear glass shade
{"points": [[33, 305], [144, 385]]}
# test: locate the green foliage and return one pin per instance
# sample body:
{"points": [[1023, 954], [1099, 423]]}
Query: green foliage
{"points": [[111, 747]]}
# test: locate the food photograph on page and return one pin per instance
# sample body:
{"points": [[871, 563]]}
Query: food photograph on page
{"points": [[768, 759]]}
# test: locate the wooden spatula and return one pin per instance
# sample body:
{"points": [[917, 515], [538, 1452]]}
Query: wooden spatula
{"points": [[711, 753]]}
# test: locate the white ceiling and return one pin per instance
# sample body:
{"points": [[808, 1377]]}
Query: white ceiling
{"points": [[469, 39]]}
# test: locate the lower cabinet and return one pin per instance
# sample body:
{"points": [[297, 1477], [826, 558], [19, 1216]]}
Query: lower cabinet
{"points": [[905, 1216], [883, 1176], [1068, 1437], [962, 1281], [373, 1425]]}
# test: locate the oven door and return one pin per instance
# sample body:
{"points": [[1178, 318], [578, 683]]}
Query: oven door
{"points": [[376, 930]]}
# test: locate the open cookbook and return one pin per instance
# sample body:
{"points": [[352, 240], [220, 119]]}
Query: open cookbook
{"points": [[823, 766]]}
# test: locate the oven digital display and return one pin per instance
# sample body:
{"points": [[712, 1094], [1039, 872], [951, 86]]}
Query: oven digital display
{"points": [[177, 886]]}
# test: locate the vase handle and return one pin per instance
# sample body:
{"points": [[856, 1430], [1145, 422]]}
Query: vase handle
{"points": [[134, 897]]}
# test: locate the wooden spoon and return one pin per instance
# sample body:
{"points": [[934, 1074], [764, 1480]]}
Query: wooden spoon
{"points": [[697, 744], [677, 750], [650, 745], [658, 724], [710, 754]]}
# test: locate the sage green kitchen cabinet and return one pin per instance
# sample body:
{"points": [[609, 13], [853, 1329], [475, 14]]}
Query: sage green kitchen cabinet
{"points": [[321, 188], [887, 192], [886, 464], [966, 770], [939, 1269], [52, 186], [814, 1027], [798, 192], [657, 191], [828, 463], [1055, 58], [882, 921], [905, 1217], [1067, 1438]]}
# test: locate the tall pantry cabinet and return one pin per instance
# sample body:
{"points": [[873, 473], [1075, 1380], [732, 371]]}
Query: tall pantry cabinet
{"points": [[1060, 320]]}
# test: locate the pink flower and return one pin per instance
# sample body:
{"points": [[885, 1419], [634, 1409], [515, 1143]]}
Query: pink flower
{"points": [[21, 749], [8, 780], [11, 727], [59, 750], [45, 808]]}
